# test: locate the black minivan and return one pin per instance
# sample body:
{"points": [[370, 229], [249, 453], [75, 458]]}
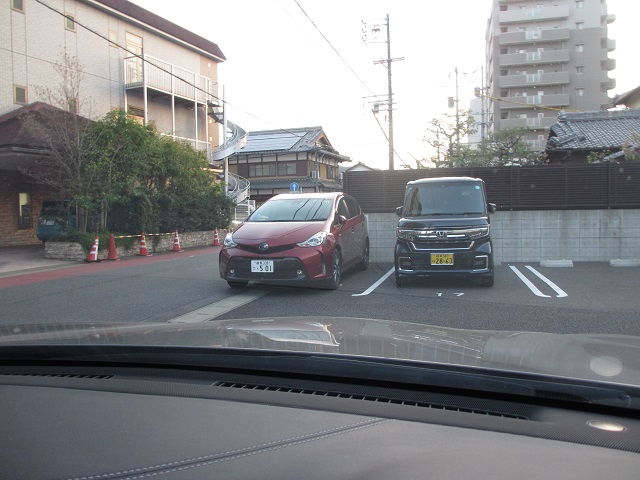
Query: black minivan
{"points": [[444, 230]]}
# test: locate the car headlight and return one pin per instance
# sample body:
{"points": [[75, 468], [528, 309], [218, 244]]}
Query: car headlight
{"points": [[478, 232], [314, 241], [408, 235], [228, 241]]}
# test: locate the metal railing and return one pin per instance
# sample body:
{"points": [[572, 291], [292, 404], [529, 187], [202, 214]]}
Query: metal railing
{"points": [[163, 76]]}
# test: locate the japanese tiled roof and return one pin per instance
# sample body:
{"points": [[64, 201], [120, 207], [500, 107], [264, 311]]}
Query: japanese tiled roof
{"points": [[596, 130], [289, 140]]}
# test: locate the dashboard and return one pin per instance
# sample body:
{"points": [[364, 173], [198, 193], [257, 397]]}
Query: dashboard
{"points": [[99, 422]]}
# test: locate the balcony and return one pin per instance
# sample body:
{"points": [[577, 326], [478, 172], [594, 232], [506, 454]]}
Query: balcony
{"points": [[537, 79], [605, 81], [525, 15], [168, 79], [608, 64], [609, 44], [531, 123], [537, 36], [531, 101], [534, 58]]}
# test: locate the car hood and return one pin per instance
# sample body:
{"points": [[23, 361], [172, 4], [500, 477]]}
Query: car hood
{"points": [[610, 358], [276, 232]]}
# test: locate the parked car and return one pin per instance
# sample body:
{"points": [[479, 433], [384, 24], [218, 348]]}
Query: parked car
{"points": [[54, 219], [297, 239], [444, 230]]}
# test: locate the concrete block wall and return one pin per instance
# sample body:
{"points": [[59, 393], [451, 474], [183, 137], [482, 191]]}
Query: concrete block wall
{"points": [[532, 236]]}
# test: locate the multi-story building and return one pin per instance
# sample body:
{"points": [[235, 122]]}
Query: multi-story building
{"points": [[545, 56], [129, 59]]}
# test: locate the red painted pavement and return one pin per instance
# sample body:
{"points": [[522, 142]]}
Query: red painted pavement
{"points": [[98, 267]]}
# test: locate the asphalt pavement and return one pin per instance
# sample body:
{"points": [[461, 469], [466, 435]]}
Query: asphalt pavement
{"points": [[26, 259]]}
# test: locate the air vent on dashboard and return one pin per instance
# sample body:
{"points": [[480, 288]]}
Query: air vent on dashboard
{"points": [[58, 375], [369, 398]]}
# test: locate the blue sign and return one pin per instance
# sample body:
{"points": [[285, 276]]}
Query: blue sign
{"points": [[294, 187]]}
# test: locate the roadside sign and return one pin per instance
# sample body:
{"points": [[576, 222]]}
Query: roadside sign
{"points": [[294, 187]]}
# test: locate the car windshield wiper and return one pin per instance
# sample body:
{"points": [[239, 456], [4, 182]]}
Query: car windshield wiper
{"points": [[466, 380]]}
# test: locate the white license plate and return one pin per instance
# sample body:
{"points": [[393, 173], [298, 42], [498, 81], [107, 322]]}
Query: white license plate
{"points": [[262, 266]]}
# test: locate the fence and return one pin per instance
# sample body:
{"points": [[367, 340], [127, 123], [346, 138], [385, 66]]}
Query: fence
{"points": [[542, 187]]}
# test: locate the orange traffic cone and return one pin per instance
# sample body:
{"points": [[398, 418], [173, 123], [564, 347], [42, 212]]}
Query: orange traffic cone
{"points": [[144, 252], [113, 252], [216, 238], [176, 243], [93, 254]]}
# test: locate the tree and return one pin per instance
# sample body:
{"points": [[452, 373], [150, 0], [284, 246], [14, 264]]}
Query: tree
{"points": [[64, 130], [444, 135], [506, 147]]}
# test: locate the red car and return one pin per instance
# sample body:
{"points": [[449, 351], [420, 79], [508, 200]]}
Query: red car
{"points": [[297, 239]]}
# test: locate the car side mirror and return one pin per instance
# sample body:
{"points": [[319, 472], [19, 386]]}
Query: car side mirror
{"points": [[491, 207], [399, 211]]}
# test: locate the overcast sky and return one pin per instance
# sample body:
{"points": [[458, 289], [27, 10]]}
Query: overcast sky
{"points": [[281, 73]]}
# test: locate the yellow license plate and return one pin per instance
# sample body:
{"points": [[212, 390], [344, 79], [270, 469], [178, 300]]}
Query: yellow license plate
{"points": [[442, 259]]}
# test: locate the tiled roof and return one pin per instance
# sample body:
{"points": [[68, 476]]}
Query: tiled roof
{"points": [[304, 182], [289, 140], [13, 130], [597, 130], [132, 10]]}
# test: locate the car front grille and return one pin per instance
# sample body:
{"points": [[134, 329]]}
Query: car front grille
{"points": [[256, 250]]}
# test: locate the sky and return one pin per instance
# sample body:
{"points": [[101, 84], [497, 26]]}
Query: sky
{"points": [[304, 63]]}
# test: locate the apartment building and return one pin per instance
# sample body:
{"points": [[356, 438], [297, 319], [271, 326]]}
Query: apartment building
{"points": [[129, 59], [545, 56]]}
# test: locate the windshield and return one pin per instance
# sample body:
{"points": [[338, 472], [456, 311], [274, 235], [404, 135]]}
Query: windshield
{"points": [[298, 210], [444, 198], [434, 183]]}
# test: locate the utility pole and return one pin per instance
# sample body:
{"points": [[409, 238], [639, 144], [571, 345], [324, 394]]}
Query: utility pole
{"points": [[390, 95], [457, 116], [387, 63]]}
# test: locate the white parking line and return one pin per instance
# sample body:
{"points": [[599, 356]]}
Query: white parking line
{"points": [[526, 281], [375, 285], [561, 293], [216, 309]]}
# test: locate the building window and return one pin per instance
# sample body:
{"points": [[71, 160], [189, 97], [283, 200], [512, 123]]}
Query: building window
{"points": [[579, 25], [504, 29], [286, 168], [262, 170], [580, 69], [19, 94], [503, 8], [24, 207], [580, 47], [579, 3], [72, 105], [69, 22], [17, 5], [580, 92]]}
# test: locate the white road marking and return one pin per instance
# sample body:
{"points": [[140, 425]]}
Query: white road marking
{"points": [[458, 294], [375, 285], [216, 309], [526, 281], [560, 293]]}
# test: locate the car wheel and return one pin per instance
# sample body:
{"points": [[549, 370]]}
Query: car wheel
{"points": [[336, 275], [364, 263], [487, 281], [237, 284]]}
